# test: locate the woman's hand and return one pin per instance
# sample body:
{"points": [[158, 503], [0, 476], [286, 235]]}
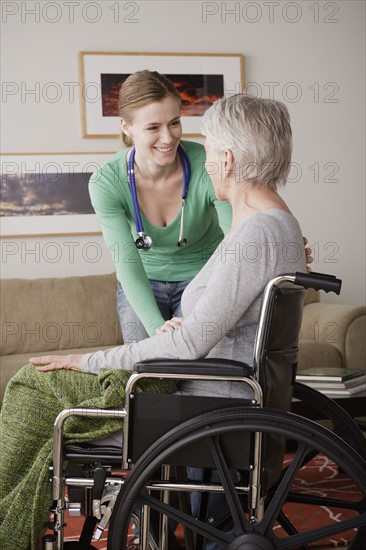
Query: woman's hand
{"points": [[169, 325], [56, 362], [309, 258]]}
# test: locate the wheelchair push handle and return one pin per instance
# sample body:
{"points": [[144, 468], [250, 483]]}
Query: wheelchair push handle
{"points": [[319, 281]]}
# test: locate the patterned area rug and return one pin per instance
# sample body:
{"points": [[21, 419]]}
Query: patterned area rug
{"points": [[73, 529], [320, 477]]}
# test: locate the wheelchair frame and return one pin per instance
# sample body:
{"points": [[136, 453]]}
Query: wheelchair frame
{"points": [[57, 478], [112, 485]]}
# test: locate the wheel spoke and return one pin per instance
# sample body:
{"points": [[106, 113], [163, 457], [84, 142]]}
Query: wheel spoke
{"points": [[290, 529], [272, 512], [196, 525], [241, 524], [321, 533], [315, 500]]}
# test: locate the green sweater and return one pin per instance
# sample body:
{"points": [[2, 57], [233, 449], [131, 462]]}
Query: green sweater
{"points": [[205, 222]]}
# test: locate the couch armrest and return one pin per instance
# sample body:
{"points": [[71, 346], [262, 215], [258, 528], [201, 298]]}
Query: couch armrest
{"points": [[339, 325]]}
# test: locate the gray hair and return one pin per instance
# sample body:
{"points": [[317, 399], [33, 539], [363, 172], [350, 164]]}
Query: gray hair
{"points": [[258, 133]]}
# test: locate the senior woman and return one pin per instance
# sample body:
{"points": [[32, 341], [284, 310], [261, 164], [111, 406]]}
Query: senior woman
{"points": [[248, 147]]}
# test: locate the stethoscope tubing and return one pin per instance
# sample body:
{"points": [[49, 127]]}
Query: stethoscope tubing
{"points": [[186, 166], [135, 201]]}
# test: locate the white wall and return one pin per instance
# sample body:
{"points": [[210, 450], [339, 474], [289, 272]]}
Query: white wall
{"points": [[308, 54]]}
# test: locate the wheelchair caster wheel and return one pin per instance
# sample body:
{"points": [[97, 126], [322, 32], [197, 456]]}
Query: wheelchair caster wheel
{"points": [[48, 542]]}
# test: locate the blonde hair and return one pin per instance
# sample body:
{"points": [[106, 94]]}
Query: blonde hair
{"points": [[258, 133], [140, 89]]}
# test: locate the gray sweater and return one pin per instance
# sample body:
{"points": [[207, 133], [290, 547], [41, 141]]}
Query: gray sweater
{"points": [[221, 305]]}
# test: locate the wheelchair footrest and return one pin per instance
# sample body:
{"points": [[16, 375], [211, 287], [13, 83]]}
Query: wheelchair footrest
{"points": [[75, 545]]}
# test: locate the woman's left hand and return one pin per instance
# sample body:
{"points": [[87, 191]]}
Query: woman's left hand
{"points": [[171, 324], [309, 258], [56, 362]]}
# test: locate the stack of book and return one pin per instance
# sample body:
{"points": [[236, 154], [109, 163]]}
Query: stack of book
{"points": [[337, 382]]}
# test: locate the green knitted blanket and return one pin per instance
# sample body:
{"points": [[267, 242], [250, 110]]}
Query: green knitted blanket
{"points": [[31, 404]]}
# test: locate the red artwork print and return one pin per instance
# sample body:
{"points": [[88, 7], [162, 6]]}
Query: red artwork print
{"points": [[197, 92]]}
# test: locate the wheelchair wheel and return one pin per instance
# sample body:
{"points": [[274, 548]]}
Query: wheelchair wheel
{"points": [[290, 506], [341, 423]]}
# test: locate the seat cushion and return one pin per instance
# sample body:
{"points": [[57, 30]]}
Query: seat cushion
{"points": [[86, 453]]}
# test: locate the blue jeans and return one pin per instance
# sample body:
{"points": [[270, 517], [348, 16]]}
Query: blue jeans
{"points": [[168, 296]]}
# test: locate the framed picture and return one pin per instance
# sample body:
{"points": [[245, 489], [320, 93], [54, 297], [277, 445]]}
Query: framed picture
{"points": [[199, 78], [47, 194]]}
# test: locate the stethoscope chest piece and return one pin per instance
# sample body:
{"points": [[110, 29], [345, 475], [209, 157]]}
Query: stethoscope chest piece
{"points": [[144, 242]]}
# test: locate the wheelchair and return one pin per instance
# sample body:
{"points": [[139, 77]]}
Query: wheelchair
{"points": [[251, 453]]}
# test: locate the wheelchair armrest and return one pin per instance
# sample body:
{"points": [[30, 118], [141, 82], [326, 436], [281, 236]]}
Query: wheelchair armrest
{"points": [[201, 367]]}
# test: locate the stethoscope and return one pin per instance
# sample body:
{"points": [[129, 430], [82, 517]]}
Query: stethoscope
{"points": [[144, 242]]}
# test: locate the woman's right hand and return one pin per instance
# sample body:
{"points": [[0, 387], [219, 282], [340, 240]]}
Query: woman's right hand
{"points": [[171, 324], [56, 362]]}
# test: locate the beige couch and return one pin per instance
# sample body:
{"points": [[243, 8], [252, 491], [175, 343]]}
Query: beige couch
{"points": [[60, 315], [78, 314]]}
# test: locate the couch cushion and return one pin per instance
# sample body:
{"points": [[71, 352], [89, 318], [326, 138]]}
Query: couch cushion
{"points": [[342, 326], [311, 296], [40, 315], [316, 354]]}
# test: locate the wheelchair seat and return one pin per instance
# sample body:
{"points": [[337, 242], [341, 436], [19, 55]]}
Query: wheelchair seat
{"points": [[84, 453]]}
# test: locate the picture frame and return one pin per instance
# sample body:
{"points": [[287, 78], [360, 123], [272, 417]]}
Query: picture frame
{"points": [[46, 194], [199, 78]]}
